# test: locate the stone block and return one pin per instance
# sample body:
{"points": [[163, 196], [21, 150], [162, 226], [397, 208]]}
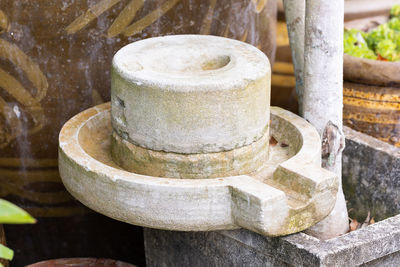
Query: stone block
{"points": [[190, 94]]}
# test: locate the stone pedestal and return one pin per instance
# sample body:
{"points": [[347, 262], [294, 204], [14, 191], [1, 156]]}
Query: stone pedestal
{"points": [[376, 245], [370, 179]]}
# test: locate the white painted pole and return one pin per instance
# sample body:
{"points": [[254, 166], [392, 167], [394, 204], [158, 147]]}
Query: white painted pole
{"points": [[316, 39], [323, 97]]}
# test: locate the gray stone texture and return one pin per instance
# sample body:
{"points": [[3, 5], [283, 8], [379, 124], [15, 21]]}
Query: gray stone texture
{"points": [[371, 179], [371, 176], [374, 245], [190, 93]]}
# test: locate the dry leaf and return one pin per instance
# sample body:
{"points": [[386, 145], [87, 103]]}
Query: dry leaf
{"points": [[366, 221], [354, 224], [272, 141]]}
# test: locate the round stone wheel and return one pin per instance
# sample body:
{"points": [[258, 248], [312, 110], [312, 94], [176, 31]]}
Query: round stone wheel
{"points": [[238, 161], [289, 194], [190, 94]]}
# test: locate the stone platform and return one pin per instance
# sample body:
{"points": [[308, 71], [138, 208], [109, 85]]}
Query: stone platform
{"points": [[371, 182]]}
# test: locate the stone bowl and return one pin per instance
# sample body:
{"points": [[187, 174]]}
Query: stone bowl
{"points": [[371, 91], [290, 193]]}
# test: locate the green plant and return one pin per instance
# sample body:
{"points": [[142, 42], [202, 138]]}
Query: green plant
{"points": [[11, 214], [382, 43], [395, 11]]}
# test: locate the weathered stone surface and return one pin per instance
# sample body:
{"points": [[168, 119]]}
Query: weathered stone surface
{"points": [[391, 260], [190, 93], [264, 202], [370, 246], [370, 180], [371, 176], [243, 160]]}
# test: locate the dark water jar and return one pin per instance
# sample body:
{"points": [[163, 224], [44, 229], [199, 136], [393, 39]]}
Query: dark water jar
{"points": [[55, 58]]}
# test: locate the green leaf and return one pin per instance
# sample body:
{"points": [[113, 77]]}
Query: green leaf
{"points": [[395, 11], [10, 214], [382, 42], [6, 253], [394, 24]]}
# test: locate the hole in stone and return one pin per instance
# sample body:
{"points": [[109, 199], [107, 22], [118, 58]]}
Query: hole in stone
{"points": [[216, 63], [180, 59]]}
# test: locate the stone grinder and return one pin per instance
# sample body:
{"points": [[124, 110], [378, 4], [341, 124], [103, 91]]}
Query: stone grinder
{"points": [[190, 143]]}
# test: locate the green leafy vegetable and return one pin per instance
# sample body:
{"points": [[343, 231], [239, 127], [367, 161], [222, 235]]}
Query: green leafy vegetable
{"points": [[355, 45], [382, 43], [380, 33], [395, 11], [394, 24], [387, 50]]}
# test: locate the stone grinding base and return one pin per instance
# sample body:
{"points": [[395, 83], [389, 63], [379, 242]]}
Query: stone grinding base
{"points": [[237, 161], [288, 194]]}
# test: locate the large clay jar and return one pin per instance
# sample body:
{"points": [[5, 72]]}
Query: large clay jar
{"points": [[55, 58], [371, 94], [81, 262], [283, 82], [357, 9]]}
